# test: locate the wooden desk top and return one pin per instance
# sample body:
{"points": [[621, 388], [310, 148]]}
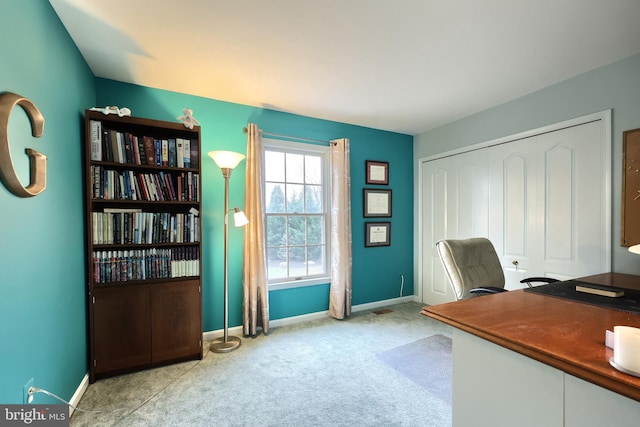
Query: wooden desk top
{"points": [[564, 334]]}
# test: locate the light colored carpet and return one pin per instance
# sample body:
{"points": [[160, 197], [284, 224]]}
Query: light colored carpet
{"points": [[427, 362], [317, 373]]}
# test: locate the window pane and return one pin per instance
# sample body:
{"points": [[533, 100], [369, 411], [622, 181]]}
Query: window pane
{"points": [[276, 231], [313, 198], [313, 170], [297, 230], [276, 264], [297, 266], [273, 166], [315, 260], [315, 230], [295, 201], [274, 202], [295, 168]]}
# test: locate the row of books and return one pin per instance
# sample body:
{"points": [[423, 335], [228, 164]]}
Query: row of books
{"points": [[110, 145], [132, 226], [109, 184], [145, 264]]}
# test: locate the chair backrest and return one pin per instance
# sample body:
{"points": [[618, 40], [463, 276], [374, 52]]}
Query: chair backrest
{"points": [[470, 263]]}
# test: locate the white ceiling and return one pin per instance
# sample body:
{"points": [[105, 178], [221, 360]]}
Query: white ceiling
{"points": [[400, 65]]}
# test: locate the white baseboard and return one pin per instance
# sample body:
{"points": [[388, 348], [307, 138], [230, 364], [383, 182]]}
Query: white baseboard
{"points": [[237, 330], [75, 399]]}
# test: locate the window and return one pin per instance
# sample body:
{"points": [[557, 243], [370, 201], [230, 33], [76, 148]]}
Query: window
{"points": [[297, 213]]}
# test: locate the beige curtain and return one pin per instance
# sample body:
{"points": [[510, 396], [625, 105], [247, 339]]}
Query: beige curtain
{"points": [[255, 306], [340, 297]]}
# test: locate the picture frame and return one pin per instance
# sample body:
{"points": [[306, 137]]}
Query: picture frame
{"points": [[377, 172], [630, 230], [377, 234], [376, 203]]}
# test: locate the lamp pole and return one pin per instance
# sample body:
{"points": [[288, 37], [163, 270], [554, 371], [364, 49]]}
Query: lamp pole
{"points": [[226, 343]]}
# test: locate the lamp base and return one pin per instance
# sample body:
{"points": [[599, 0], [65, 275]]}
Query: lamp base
{"points": [[219, 345]]}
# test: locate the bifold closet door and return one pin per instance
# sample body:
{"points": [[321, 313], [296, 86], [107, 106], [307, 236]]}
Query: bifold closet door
{"points": [[455, 204], [541, 200]]}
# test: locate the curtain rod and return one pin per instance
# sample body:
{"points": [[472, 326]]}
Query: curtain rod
{"points": [[297, 138]]}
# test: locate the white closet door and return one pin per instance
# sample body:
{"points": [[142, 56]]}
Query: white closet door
{"points": [[542, 200], [456, 204], [573, 221], [513, 170]]}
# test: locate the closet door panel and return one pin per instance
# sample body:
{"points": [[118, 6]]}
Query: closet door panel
{"points": [[435, 185], [513, 169], [455, 206], [574, 217]]}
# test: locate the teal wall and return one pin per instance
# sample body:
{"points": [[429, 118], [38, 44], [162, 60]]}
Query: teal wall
{"points": [[615, 87], [42, 292], [376, 271]]}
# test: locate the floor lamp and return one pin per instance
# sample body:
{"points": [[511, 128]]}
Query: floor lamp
{"points": [[227, 161]]}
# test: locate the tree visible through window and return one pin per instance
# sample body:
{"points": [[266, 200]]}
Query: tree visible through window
{"points": [[296, 211]]}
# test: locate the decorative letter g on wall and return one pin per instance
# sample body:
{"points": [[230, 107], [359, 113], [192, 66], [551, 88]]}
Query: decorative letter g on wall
{"points": [[38, 161]]}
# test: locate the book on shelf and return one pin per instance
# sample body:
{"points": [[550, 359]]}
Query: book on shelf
{"points": [[120, 148], [113, 142], [140, 152], [195, 160], [95, 129], [186, 153], [157, 146], [107, 153], [173, 161], [120, 187], [127, 150], [149, 150], [180, 152], [164, 144]]}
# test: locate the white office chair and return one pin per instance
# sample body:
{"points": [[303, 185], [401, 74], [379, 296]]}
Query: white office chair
{"points": [[473, 267]]}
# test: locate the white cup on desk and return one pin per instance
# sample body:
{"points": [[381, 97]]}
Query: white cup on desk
{"points": [[626, 348]]}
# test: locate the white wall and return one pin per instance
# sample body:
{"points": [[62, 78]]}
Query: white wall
{"points": [[616, 87]]}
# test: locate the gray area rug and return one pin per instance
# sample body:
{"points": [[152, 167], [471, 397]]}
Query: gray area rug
{"points": [[427, 362]]}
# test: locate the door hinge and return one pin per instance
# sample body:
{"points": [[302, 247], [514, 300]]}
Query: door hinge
{"points": [[94, 363], [94, 300]]}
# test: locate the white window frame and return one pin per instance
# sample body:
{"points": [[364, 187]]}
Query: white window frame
{"points": [[323, 151]]}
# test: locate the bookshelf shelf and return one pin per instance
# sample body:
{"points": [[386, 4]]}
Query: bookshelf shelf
{"points": [[143, 202]]}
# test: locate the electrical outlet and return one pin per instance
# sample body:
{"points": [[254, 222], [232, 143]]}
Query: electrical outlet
{"points": [[25, 391]]}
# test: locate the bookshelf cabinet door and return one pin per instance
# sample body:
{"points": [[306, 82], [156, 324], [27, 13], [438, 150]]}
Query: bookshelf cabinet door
{"points": [[121, 328], [175, 321]]}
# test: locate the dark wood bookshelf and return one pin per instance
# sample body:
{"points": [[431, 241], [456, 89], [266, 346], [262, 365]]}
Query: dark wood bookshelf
{"points": [[143, 251]]}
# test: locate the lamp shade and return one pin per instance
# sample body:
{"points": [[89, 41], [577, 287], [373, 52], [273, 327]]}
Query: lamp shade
{"points": [[239, 218], [226, 159], [635, 249]]}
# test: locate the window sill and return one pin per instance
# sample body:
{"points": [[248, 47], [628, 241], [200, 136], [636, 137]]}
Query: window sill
{"points": [[299, 283]]}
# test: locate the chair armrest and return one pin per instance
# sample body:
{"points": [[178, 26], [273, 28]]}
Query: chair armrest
{"points": [[487, 290], [528, 280]]}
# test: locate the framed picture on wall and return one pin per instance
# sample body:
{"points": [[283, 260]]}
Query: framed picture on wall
{"points": [[630, 188], [377, 234], [376, 202], [377, 172]]}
